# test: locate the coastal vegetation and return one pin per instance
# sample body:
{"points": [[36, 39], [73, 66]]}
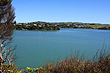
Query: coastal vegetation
{"points": [[75, 64], [49, 26], [36, 26], [99, 64]]}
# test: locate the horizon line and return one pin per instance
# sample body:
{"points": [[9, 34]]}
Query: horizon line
{"points": [[63, 21]]}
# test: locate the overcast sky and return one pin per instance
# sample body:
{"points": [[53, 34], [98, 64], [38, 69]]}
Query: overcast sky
{"points": [[87, 11]]}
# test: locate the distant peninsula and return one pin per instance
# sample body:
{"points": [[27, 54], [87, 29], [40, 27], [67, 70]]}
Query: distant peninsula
{"points": [[54, 26]]}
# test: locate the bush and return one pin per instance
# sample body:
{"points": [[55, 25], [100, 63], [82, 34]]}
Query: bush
{"points": [[99, 64]]}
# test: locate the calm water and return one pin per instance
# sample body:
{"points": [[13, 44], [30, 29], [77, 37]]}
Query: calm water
{"points": [[35, 48]]}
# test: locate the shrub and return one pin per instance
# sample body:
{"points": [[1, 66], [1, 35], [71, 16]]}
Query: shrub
{"points": [[73, 65]]}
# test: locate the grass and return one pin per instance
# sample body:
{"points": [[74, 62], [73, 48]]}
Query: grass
{"points": [[98, 26]]}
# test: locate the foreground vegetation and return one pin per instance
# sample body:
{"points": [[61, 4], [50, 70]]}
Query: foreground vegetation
{"points": [[73, 65], [99, 64]]}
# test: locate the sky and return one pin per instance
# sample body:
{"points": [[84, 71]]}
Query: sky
{"points": [[86, 11]]}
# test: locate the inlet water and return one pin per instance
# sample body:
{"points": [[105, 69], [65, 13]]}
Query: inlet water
{"points": [[35, 48]]}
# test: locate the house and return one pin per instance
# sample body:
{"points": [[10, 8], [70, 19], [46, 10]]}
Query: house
{"points": [[55, 25], [40, 25], [68, 25], [27, 25], [35, 24]]}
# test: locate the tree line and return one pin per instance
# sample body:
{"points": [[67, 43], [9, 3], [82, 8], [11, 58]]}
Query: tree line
{"points": [[57, 25]]}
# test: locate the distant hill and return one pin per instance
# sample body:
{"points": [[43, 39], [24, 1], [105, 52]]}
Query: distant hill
{"points": [[51, 26]]}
